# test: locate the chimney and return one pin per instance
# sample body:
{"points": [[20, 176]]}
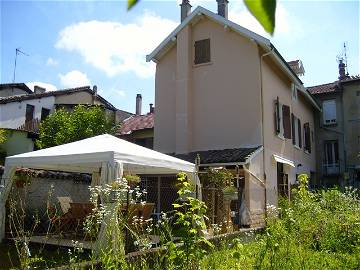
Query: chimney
{"points": [[185, 9], [151, 108], [138, 104], [95, 89], [39, 90], [342, 66], [223, 8]]}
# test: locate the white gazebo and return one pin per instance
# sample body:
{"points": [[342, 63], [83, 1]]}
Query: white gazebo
{"points": [[105, 157]]}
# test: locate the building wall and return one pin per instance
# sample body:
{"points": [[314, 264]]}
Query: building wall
{"points": [[12, 92], [275, 84], [17, 142], [194, 117], [165, 85], [351, 97], [76, 98], [12, 115]]}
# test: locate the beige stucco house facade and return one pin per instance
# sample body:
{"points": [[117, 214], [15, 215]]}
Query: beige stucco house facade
{"points": [[226, 93]]}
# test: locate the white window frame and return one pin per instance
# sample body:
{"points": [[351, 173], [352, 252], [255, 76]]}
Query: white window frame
{"points": [[296, 127], [294, 92], [329, 112], [281, 122]]}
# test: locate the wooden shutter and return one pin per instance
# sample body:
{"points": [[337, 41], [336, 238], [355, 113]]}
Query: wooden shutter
{"points": [[29, 116], [299, 133], [202, 51], [293, 129], [277, 116], [286, 121], [307, 138]]}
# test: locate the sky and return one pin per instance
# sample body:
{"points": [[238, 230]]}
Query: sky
{"points": [[76, 43]]}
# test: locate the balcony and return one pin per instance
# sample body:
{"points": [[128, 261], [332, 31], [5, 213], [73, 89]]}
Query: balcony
{"points": [[31, 126], [331, 169]]}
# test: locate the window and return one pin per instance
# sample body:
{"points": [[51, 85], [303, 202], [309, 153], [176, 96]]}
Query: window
{"points": [[296, 131], [44, 113], [294, 92], [29, 116], [202, 51], [307, 138], [282, 181], [282, 120], [331, 152], [329, 112]]}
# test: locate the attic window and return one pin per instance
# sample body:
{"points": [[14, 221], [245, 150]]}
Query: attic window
{"points": [[202, 51]]}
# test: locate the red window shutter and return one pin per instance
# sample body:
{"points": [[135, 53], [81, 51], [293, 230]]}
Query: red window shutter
{"points": [[299, 133], [286, 121]]}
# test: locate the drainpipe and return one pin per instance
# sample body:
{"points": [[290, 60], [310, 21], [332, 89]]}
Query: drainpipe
{"points": [[262, 123]]}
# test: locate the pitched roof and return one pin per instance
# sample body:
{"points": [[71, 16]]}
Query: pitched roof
{"points": [[297, 67], [57, 93], [265, 43], [136, 122], [324, 88], [22, 86], [234, 155]]}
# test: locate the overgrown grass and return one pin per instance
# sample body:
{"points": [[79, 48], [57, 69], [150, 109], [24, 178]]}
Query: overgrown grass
{"points": [[319, 230]]}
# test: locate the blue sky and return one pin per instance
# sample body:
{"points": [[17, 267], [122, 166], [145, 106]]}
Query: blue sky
{"points": [[73, 43]]}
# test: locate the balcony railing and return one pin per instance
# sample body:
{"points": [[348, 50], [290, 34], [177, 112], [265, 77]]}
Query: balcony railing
{"points": [[331, 169], [31, 126]]}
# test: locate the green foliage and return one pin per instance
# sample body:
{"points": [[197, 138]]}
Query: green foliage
{"points": [[64, 127], [217, 177], [319, 230], [3, 135], [190, 215], [131, 3], [264, 12]]}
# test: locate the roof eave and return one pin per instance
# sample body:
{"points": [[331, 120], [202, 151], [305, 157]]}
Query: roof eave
{"points": [[170, 40]]}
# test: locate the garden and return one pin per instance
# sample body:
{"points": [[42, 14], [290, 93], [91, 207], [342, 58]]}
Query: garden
{"points": [[315, 230]]}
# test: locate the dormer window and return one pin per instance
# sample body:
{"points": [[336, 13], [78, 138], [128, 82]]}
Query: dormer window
{"points": [[294, 92], [202, 51]]}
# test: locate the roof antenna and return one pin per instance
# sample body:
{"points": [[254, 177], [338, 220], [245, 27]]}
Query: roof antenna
{"points": [[17, 51], [345, 59]]}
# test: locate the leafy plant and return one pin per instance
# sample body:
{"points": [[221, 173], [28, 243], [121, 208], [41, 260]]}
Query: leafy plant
{"points": [[217, 177], [64, 127]]}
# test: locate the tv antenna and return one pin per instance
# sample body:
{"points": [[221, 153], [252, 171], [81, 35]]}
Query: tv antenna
{"points": [[17, 52], [343, 58]]}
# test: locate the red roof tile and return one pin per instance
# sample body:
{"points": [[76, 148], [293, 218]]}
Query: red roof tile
{"points": [[323, 88], [136, 122]]}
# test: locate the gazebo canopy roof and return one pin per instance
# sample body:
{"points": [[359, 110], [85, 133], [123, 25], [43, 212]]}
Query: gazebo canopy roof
{"points": [[88, 155]]}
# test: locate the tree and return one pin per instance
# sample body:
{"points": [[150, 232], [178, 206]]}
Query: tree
{"points": [[262, 10], [3, 135], [63, 127]]}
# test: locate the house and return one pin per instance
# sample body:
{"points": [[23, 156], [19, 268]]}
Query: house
{"points": [[227, 94], [12, 89], [138, 128], [21, 111], [338, 131]]}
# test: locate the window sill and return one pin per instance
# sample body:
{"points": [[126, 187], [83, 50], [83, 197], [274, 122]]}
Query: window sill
{"points": [[280, 137], [330, 124], [202, 64], [307, 152], [297, 147]]}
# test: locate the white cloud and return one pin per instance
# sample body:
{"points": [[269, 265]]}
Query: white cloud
{"points": [[47, 86], [121, 93], [116, 47], [51, 62], [74, 78]]}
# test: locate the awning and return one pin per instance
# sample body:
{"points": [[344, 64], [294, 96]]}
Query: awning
{"points": [[284, 160]]}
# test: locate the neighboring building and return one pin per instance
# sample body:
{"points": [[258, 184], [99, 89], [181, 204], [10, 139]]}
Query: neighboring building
{"points": [[21, 111], [12, 89], [338, 131], [218, 88], [26, 111], [139, 128]]}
